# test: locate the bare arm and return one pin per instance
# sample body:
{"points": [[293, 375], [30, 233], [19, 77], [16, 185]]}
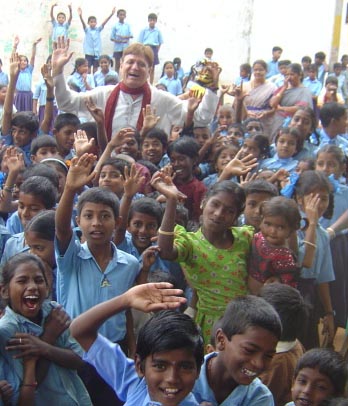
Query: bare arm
{"points": [[99, 118], [70, 13], [48, 115], [9, 98], [108, 18], [328, 320], [51, 14], [33, 52], [338, 225], [79, 12], [310, 236]]}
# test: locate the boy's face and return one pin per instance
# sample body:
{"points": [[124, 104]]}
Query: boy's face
{"points": [[110, 178], [143, 227], [61, 18], [65, 138], [97, 223], [170, 375], [338, 70], [152, 150], [246, 355], [312, 74], [201, 135], [208, 54], [43, 153], [121, 16], [311, 388], [152, 22], [283, 69], [276, 55], [253, 204], [129, 147], [92, 23], [28, 207], [21, 136]]}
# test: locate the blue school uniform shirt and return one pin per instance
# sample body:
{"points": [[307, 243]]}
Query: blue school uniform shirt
{"points": [[81, 284], [24, 79], [4, 236], [307, 151], [77, 80], [173, 85], [165, 160], [272, 68], [151, 36], [92, 41], [340, 206], [255, 394], [61, 386], [123, 30], [338, 140], [14, 224], [277, 163], [3, 78], [59, 30], [239, 80], [99, 77], [7, 139], [313, 85], [13, 246], [119, 372]]}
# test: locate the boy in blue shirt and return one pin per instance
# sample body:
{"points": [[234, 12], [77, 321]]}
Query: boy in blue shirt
{"points": [[92, 46], [121, 34], [60, 26]]}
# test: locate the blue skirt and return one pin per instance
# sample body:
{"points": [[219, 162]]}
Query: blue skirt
{"points": [[24, 100]]}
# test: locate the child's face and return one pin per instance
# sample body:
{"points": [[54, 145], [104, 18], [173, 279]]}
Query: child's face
{"points": [[92, 23], [253, 127], [312, 74], [224, 158], [97, 223], [286, 145], [340, 124], [250, 147], [152, 22], [303, 122], [324, 200], [169, 70], [301, 167], [104, 65], [201, 135], [28, 207], [283, 69], [82, 69], [121, 16], [170, 375], [225, 117], [23, 62], [219, 212], [143, 227], [41, 247], [152, 150], [61, 18], [338, 70], [276, 55], [208, 54], [311, 387], [110, 178], [65, 138], [246, 355], [327, 163], [3, 92], [275, 229], [182, 166], [27, 290], [253, 204], [243, 73], [43, 153], [21, 136], [129, 147]]}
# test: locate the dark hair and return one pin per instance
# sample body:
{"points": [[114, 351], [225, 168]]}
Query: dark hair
{"points": [[335, 150], [331, 111], [337, 65], [260, 62], [91, 18], [185, 146], [158, 134], [176, 61], [65, 119], [313, 67], [262, 143], [208, 50], [57, 163], [79, 62], [149, 165], [90, 128], [43, 224], [27, 120], [329, 363], [40, 169], [260, 186], [289, 305], [162, 276], [246, 67], [284, 62], [293, 132], [14, 262], [250, 120], [110, 79], [148, 206], [169, 330], [99, 196], [42, 188], [140, 50], [152, 16], [164, 66], [309, 161], [61, 14], [282, 207], [250, 311], [331, 79], [306, 59], [296, 68], [228, 186], [337, 402], [215, 328], [120, 10], [41, 142], [107, 57], [117, 163], [320, 55], [276, 48]]}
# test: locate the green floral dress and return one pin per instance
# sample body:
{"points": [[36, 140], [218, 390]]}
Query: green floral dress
{"points": [[218, 275]]}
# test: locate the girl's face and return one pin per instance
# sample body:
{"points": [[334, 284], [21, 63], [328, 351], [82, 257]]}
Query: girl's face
{"points": [[169, 70], [23, 62], [286, 145], [104, 65], [220, 212], [294, 78], [275, 229], [82, 69], [28, 206], [324, 197], [303, 122], [26, 291], [250, 147], [41, 247], [224, 158], [243, 73], [3, 92], [329, 164], [259, 72], [182, 166]]}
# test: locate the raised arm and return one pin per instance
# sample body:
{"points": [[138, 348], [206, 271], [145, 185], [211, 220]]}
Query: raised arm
{"points": [[48, 115], [310, 235], [78, 176], [9, 98], [79, 12], [99, 118], [108, 18], [70, 13], [33, 52], [148, 297], [51, 14]]}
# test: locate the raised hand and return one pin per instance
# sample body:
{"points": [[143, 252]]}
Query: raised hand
{"points": [[14, 160], [162, 181], [96, 112], [80, 171], [15, 41], [149, 257], [37, 41], [56, 323], [121, 137], [60, 55], [312, 208], [150, 118], [82, 144], [46, 73], [239, 167], [14, 65], [133, 180], [193, 103]]}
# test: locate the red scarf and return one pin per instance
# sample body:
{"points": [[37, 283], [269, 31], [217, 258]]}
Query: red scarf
{"points": [[112, 100]]}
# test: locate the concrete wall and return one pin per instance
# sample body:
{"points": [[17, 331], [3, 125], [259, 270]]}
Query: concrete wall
{"points": [[238, 30]]}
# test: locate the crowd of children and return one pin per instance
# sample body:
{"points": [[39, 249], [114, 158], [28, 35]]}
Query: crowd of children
{"points": [[227, 222]]}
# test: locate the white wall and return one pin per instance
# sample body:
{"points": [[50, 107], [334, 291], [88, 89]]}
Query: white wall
{"points": [[237, 30]]}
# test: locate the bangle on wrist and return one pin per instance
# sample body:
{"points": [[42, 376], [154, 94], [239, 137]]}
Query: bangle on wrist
{"points": [[310, 243], [31, 385], [49, 99], [331, 231], [331, 313], [165, 232], [9, 189]]}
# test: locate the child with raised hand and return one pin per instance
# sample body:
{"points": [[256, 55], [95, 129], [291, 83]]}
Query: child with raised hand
{"points": [[60, 25], [271, 258], [24, 96], [320, 374], [36, 330], [169, 349], [214, 258], [92, 46], [245, 342]]}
